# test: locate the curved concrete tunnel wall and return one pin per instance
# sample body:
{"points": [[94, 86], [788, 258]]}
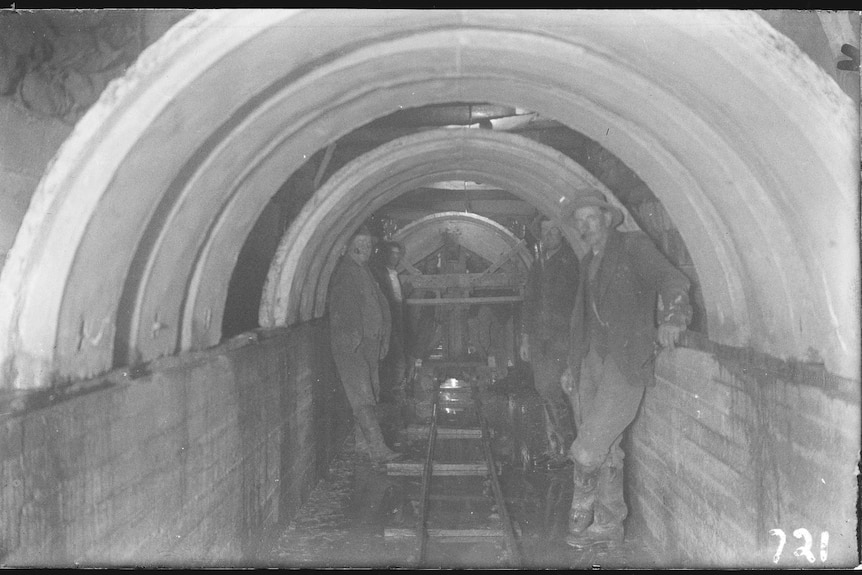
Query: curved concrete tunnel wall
{"points": [[298, 279], [127, 248]]}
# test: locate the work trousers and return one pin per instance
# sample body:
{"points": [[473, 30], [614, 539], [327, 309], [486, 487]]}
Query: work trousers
{"points": [[394, 366], [358, 371], [603, 404], [548, 360]]}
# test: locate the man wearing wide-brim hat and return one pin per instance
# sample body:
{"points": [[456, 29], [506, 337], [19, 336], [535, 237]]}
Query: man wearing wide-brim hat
{"points": [[613, 344]]}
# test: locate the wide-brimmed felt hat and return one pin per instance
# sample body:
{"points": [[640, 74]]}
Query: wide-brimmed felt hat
{"points": [[592, 198]]}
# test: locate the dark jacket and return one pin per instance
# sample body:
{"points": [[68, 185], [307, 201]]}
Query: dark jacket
{"points": [[396, 308], [631, 275], [550, 295], [398, 333], [357, 308]]}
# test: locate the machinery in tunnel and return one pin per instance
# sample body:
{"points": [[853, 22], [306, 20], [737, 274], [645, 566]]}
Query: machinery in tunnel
{"points": [[481, 267]]}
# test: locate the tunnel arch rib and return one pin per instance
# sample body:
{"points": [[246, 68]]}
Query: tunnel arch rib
{"points": [[128, 245], [298, 278]]}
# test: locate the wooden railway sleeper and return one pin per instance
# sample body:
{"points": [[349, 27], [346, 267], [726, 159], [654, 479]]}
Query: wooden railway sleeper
{"points": [[429, 469]]}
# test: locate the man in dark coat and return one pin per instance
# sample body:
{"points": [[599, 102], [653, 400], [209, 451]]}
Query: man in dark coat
{"points": [[545, 323], [613, 347], [394, 364], [359, 335]]}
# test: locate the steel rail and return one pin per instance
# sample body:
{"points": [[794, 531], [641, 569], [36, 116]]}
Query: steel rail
{"points": [[508, 528], [426, 482], [422, 533]]}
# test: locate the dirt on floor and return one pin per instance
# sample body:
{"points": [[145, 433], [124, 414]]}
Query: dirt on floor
{"points": [[342, 525]]}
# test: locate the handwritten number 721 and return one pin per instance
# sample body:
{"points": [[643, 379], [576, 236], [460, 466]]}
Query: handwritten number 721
{"points": [[805, 549]]}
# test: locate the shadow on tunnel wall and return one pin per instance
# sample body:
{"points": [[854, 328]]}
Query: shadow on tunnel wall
{"points": [[249, 275]]}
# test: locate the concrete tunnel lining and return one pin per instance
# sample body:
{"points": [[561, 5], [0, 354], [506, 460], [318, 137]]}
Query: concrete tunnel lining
{"points": [[297, 283], [688, 132]]}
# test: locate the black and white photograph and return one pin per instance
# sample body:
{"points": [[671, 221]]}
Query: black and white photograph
{"points": [[352, 288]]}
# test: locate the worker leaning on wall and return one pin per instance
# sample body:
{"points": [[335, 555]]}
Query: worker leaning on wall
{"points": [[613, 348]]}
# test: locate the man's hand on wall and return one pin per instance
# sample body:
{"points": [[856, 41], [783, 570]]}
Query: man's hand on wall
{"points": [[668, 334]]}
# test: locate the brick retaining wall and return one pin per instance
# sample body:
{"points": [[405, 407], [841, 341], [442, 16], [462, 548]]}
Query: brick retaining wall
{"points": [[187, 465], [730, 445]]}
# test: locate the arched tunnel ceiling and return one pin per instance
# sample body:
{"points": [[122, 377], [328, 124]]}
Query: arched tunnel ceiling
{"points": [[127, 248], [299, 276]]}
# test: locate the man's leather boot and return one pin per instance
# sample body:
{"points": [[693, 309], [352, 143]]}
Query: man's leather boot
{"points": [[399, 393], [608, 534], [608, 512], [359, 443], [377, 449], [580, 517], [583, 499], [585, 478]]}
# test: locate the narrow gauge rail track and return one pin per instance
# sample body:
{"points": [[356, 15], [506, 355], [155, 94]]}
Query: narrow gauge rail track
{"points": [[457, 416]]}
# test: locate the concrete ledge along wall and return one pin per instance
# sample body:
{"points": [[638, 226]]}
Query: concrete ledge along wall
{"points": [[187, 465]]}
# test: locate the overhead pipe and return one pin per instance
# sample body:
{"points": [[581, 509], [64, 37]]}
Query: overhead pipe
{"points": [[449, 115]]}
